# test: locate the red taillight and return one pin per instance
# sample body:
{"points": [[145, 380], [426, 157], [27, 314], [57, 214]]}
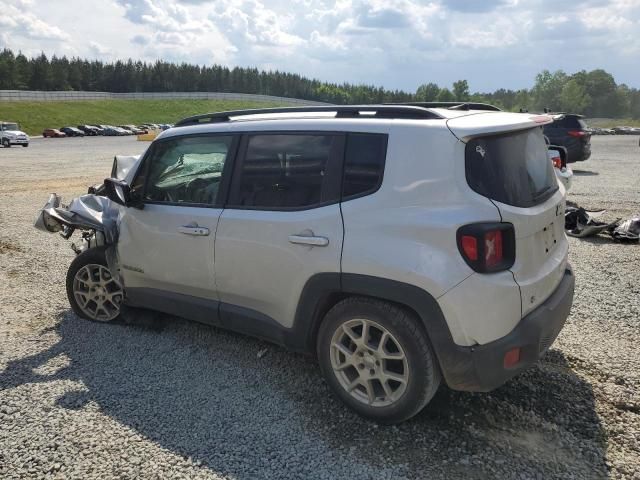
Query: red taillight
{"points": [[470, 247], [577, 133], [487, 247], [512, 358], [557, 162], [493, 248]]}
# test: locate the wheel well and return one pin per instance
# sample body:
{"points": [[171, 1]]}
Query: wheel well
{"points": [[332, 299]]}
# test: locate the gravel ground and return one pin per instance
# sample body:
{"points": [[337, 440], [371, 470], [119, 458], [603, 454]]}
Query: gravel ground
{"points": [[159, 397]]}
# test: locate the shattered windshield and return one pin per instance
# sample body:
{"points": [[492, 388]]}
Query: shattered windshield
{"points": [[187, 169], [188, 166]]}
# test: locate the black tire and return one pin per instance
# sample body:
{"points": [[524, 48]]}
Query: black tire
{"points": [[424, 375], [25, 145], [92, 256], [6, 143]]}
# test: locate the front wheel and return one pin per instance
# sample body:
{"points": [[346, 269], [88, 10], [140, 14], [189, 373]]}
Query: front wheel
{"points": [[377, 359], [25, 145], [6, 143], [92, 291]]}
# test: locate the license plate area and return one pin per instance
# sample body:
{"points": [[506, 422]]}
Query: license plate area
{"points": [[549, 237]]}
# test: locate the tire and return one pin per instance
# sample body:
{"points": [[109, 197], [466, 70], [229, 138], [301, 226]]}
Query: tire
{"points": [[6, 143], [92, 292], [25, 145], [405, 337]]}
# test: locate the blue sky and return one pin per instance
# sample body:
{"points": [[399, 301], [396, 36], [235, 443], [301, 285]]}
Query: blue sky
{"points": [[394, 43]]}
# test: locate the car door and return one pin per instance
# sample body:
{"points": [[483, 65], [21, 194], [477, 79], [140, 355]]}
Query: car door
{"points": [[281, 226], [166, 248]]}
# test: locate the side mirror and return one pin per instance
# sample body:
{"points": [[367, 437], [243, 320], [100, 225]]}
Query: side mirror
{"points": [[117, 191]]}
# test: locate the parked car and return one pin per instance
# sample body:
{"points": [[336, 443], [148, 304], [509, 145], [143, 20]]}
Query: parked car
{"points": [[132, 128], [112, 131], [88, 130], [10, 134], [53, 133], [404, 246], [72, 132], [570, 131]]}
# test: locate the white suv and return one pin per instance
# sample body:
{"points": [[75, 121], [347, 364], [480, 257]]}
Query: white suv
{"points": [[402, 245]]}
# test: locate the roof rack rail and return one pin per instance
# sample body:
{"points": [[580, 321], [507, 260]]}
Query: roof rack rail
{"points": [[415, 112], [453, 105]]}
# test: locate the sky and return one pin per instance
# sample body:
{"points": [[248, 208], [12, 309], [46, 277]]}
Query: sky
{"points": [[392, 43]]}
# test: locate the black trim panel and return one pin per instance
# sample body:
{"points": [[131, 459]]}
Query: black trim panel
{"points": [[193, 308]]}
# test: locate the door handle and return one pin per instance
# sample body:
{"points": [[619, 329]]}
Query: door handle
{"points": [[314, 241], [194, 230]]}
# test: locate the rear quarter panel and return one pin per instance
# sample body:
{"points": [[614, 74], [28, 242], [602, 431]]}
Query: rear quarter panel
{"points": [[406, 231]]}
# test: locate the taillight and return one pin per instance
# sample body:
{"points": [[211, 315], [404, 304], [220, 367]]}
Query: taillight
{"points": [[577, 133], [557, 162], [487, 247]]}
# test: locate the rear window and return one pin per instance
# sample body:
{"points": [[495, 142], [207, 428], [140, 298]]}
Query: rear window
{"points": [[570, 122], [512, 168]]}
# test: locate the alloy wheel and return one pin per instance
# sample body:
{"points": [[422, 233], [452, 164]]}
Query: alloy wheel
{"points": [[369, 362], [97, 293]]}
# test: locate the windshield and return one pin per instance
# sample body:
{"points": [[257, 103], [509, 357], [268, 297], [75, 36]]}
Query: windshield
{"points": [[10, 126], [511, 168]]}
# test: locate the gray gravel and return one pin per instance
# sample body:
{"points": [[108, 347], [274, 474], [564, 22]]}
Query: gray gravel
{"points": [[159, 397]]}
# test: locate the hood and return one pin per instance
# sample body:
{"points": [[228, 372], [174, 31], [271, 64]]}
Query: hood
{"points": [[466, 127], [14, 132]]}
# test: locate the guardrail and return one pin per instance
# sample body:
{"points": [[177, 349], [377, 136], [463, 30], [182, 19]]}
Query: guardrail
{"points": [[40, 96]]}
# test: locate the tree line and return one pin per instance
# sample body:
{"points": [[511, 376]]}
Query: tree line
{"points": [[594, 93]]}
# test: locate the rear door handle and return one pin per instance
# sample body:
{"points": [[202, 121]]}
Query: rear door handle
{"points": [[196, 231], [312, 240]]}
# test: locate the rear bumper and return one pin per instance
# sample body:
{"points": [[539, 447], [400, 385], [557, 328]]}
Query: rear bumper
{"points": [[481, 367]]}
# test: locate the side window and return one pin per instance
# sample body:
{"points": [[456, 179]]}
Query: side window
{"points": [[363, 164], [287, 171], [186, 170]]}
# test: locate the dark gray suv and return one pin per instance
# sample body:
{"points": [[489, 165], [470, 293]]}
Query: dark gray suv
{"points": [[570, 131]]}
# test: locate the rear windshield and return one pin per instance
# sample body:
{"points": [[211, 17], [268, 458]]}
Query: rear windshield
{"points": [[570, 122], [512, 168]]}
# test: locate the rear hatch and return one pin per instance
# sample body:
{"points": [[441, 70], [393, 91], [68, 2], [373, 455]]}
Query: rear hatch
{"points": [[506, 160]]}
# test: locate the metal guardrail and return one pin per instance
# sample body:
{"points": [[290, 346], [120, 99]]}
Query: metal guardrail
{"points": [[39, 96]]}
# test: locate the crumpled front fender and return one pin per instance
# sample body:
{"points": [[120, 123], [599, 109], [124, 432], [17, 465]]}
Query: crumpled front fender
{"points": [[87, 212]]}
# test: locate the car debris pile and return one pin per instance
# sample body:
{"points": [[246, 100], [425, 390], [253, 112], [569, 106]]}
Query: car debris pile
{"points": [[581, 223]]}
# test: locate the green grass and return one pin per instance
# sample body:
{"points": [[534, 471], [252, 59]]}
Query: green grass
{"points": [[33, 117], [612, 122]]}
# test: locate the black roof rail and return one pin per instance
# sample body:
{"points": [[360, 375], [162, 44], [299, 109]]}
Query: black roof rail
{"points": [[453, 105], [415, 112]]}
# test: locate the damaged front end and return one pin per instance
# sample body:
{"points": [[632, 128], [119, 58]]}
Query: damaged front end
{"points": [[95, 214]]}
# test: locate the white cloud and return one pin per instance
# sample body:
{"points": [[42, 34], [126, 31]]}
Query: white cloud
{"points": [[396, 43]]}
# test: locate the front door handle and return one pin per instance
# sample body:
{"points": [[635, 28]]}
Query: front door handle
{"points": [[313, 240], [194, 230]]}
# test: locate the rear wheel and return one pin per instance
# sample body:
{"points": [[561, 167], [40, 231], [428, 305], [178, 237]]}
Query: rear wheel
{"points": [[377, 359], [92, 291]]}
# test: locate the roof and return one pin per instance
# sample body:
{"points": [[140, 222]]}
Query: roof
{"points": [[463, 122]]}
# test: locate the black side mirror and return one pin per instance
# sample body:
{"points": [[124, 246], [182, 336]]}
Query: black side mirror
{"points": [[117, 191]]}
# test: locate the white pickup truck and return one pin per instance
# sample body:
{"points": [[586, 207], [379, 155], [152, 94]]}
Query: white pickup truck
{"points": [[10, 134]]}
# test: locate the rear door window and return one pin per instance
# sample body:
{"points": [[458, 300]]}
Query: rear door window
{"points": [[511, 168], [288, 171]]}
